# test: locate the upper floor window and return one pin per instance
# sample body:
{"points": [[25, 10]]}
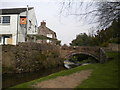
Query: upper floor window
{"points": [[0, 39], [4, 19], [49, 35], [35, 28], [30, 23], [0, 20]]}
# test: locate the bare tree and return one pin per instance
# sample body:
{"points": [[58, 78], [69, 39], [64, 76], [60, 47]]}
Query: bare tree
{"points": [[108, 12], [103, 13]]}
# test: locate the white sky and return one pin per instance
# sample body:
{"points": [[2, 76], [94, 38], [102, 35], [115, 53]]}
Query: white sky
{"points": [[66, 27]]}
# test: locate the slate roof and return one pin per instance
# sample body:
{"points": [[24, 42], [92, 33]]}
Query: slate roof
{"points": [[14, 10]]}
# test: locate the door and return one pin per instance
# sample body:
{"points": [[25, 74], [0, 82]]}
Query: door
{"points": [[8, 40]]}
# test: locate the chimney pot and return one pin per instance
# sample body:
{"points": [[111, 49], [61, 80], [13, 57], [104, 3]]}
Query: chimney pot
{"points": [[43, 23]]}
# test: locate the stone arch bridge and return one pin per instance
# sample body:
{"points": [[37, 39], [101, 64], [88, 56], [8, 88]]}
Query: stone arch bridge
{"points": [[96, 52]]}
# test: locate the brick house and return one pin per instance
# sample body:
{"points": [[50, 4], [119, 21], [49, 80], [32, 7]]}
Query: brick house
{"points": [[46, 35]]}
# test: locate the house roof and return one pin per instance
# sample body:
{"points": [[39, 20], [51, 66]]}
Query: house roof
{"points": [[14, 10]]}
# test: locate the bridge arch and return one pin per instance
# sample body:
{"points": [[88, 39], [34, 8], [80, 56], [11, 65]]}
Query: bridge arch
{"points": [[96, 52], [79, 53]]}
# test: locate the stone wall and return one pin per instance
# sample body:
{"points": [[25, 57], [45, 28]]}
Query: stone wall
{"points": [[28, 57], [112, 47]]}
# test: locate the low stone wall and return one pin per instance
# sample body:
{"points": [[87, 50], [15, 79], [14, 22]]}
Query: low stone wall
{"points": [[112, 47], [29, 57]]}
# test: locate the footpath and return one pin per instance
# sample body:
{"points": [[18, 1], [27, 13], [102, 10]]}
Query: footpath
{"points": [[70, 81]]}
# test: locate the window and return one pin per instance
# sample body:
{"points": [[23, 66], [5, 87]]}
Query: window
{"points": [[30, 24], [49, 35], [0, 19], [5, 20], [0, 39], [35, 28], [48, 41], [23, 20]]}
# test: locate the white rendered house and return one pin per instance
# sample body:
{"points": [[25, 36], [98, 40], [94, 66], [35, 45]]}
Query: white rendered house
{"points": [[16, 24]]}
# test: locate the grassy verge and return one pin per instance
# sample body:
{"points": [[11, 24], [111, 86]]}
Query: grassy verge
{"points": [[103, 75]]}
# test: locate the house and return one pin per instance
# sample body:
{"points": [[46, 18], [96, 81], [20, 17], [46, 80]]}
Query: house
{"points": [[17, 25], [46, 35]]}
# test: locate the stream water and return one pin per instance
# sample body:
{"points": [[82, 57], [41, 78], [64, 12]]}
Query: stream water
{"points": [[9, 80]]}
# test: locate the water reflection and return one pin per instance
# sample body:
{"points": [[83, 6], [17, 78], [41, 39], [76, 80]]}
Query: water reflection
{"points": [[9, 80]]}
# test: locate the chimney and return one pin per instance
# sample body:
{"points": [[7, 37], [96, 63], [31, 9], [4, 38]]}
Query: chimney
{"points": [[43, 23]]}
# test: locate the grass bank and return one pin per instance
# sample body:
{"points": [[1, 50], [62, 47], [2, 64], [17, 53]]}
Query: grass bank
{"points": [[103, 75]]}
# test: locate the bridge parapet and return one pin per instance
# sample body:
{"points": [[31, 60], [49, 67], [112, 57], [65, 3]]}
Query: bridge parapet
{"points": [[96, 52]]}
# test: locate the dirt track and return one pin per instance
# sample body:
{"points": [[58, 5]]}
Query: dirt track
{"points": [[69, 81]]}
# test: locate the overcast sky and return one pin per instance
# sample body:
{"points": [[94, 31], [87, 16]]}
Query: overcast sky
{"points": [[66, 28]]}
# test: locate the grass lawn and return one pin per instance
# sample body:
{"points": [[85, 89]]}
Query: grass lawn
{"points": [[103, 75]]}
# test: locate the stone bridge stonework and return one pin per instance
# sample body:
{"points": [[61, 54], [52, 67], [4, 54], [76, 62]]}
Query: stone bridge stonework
{"points": [[96, 52]]}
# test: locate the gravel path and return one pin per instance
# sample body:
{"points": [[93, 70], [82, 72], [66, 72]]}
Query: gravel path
{"points": [[69, 81]]}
